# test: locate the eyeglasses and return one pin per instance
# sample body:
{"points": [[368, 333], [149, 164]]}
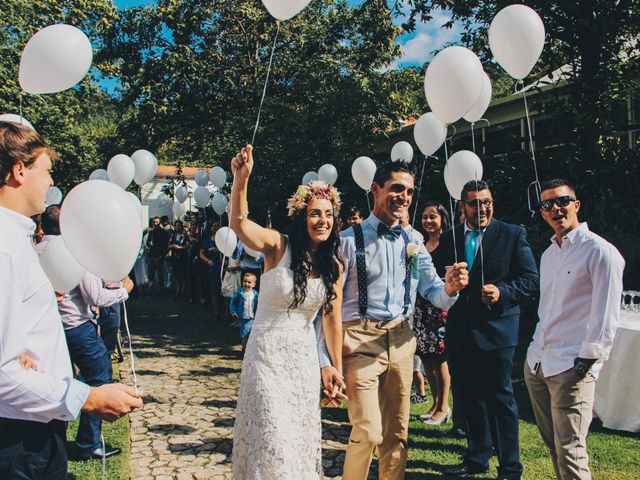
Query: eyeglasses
{"points": [[563, 201], [487, 203]]}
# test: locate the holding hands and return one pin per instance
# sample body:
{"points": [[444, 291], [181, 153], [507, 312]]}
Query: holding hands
{"points": [[456, 278], [333, 386]]}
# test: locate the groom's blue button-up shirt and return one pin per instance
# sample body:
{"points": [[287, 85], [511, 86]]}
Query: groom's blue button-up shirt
{"points": [[385, 261]]}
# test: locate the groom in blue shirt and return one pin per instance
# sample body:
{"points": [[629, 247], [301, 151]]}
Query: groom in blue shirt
{"points": [[384, 267]]}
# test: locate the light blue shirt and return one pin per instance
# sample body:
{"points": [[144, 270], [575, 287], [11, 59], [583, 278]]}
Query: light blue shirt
{"points": [[385, 261]]}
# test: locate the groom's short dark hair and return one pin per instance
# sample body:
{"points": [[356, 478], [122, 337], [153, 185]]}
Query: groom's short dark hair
{"points": [[383, 173]]}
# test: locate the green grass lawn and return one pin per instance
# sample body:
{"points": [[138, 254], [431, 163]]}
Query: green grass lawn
{"points": [[116, 434], [614, 455]]}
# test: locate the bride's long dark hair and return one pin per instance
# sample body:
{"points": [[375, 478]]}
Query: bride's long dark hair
{"points": [[326, 262]]}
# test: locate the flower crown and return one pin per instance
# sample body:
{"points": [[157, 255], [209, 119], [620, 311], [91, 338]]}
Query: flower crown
{"points": [[317, 189]]}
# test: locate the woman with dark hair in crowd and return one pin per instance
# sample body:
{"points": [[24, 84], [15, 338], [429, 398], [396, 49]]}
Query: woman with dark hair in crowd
{"points": [[277, 431], [429, 324]]}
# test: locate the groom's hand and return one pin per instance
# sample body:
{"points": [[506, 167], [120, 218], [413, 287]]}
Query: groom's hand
{"points": [[334, 385]]}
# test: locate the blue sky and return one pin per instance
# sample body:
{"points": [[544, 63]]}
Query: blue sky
{"points": [[416, 46]]}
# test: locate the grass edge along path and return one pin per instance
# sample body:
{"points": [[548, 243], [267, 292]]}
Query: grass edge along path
{"points": [[116, 434]]}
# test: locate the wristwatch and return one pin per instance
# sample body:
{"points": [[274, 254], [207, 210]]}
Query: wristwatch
{"points": [[581, 367]]}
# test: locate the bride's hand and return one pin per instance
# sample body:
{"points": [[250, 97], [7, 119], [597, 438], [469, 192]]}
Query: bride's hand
{"points": [[334, 385], [242, 163]]}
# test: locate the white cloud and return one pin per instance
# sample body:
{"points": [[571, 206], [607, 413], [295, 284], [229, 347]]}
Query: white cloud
{"points": [[427, 37]]}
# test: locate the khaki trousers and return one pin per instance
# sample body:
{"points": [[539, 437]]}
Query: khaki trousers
{"points": [[378, 371], [563, 406]]}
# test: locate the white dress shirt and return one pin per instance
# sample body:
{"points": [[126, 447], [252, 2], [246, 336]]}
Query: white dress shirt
{"points": [[30, 323], [248, 304], [580, 289]]}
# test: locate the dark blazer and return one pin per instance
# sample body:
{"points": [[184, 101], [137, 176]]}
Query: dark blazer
{"points": [[509, 265]]}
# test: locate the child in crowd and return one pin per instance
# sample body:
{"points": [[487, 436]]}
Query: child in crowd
{"points": [[244, 305]]}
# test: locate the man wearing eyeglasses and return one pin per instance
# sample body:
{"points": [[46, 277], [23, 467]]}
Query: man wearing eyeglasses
{"points": [[580, 288], [482, 329]]}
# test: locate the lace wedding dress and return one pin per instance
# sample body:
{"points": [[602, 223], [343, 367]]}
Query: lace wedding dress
{"points": [[277, 431]]}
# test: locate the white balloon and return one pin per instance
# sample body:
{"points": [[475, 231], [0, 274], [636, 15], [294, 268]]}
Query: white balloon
{"points": [[13, 118], [477, 111], [218, 176], [54, 59], [53, 196], [202, 178], [136, 201], [226, 241], [402, 152], [163, 200], [63, 271], [285, 9], [179, 209], [363, 170], [462, 167], [182, 194], [146, 165], [100, 229], [429, 133], [219, 203], [309, 177], [453, 83], [121, 170], [516, 38], [328, 173], [99, 174], [202, 196]]}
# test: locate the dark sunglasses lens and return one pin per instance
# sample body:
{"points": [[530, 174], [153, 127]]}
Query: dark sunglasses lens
{"points": [[546, 205], [563, 201]]}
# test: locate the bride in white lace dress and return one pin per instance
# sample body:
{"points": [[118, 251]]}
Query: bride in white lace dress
{"points": [[277, 432]]}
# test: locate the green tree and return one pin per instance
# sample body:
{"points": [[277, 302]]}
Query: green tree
{"points": [[195, 71], [80, 123]]}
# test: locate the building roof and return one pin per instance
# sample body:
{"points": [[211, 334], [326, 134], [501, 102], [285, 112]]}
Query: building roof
{"points": [[165, 171]]}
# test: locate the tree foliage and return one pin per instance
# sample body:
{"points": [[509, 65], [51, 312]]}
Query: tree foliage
{"points": [[80, 123], [194, 70]]}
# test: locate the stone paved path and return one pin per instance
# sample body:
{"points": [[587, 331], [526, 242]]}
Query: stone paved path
{"points": [[189, 372]]}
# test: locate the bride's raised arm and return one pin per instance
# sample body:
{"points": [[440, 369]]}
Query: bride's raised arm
{"points": [[256, 237]]}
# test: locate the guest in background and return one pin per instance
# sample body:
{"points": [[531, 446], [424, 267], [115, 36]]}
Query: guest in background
{"points": [[179, 244], [244, 305], [167, 265], [353, 216], [212, 257], [580, 289], [429, 325], [250, 263], [197, 268], [158, 245]]}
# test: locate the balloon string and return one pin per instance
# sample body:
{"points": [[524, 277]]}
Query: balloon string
{"points": [[415, 207], [104, 457], [533, 152], [20, 100], [266, 82], [475, 173], [133, 363], [366, 194], [453, 236], [473, 138]]}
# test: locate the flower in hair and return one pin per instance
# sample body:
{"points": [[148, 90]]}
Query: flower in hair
{"points": [[300, 199]]}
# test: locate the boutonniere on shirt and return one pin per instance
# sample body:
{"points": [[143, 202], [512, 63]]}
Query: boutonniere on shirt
{"points": [[411, 259]]}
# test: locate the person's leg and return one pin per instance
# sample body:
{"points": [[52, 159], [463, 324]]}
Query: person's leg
{"points": [[109, 322], [495, 372], [431, 379], [572, 411], [444, 382], [395, 390], [459, 418], [90, 355], [541, 402], [364, 360]]}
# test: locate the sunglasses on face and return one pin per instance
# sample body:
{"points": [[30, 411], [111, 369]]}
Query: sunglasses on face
{"points": [[487, 202], [563, 201]]}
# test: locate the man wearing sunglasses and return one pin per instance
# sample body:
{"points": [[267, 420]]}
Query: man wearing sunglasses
{"points": [[482, 329], [580, 289]]}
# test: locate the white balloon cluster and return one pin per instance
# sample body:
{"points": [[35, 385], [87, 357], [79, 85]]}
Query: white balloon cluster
{"points": [[285, 9]]}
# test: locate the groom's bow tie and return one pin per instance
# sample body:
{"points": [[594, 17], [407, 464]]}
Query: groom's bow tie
{"points": [[383, 229]]}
